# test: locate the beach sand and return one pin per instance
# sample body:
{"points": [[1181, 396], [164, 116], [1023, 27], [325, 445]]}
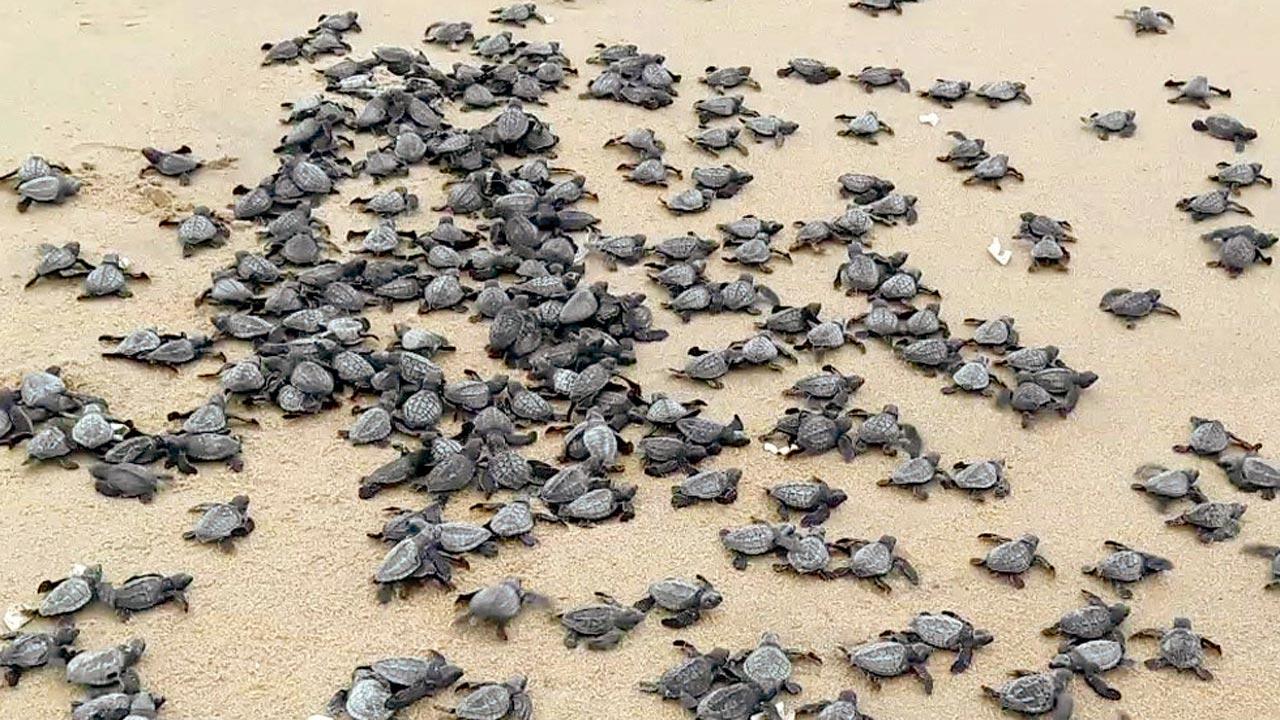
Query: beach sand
{"points": [[275, 628]]}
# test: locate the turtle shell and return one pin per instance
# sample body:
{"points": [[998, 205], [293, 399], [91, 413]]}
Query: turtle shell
{"points": [[940, 630], [973, 375], [96, 668], [595, 504], [367, 700], [512, 520], [675, 593], [1182, 648], [1029, 694], [1209, 437], [422, 409], [885, 659], [372, 425], [590, 620], [798, 496], [49, 443], [982, 475], [1123, 565], [693, 677], [706, 485], [67, 596], [1105, 654], [459, 537], [808, 554], [401, 561], [487, 702], [1210, 515], [916, 471], [496, 602], [1011, 557], [1088, 622], [879, 429], [871, 560], [768, 666], [406, 670], [218, 523], [730, 702], [92, 431], [754, 539], [211, 446]]}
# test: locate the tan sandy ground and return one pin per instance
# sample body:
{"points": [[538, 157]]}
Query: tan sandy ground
{"points": [[275, 628]]}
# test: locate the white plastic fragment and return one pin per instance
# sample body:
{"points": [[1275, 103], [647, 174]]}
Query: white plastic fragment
{"points": [[16, 616], [998, 252], [931, 119]]}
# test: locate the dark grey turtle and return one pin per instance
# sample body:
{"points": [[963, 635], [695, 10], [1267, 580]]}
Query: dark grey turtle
{"points": [[1181, 648], [514, 519], [893, 206], [365, 699], [1252, 473], [1115, 122], [746, 294], [686, 600], [1096, 619], [411, 678], [691, 200], [707, 367], [828, 386], [1049, 253], [416, 558], [1125, 566], [662, 455], [1211, 437], [997, 334], [1147, 19], [721, 106], [1225, 127], [179, 163], [1165, 485], [1131, 305], [141, 704], [864, 189], [391, 202], [34, 166], [992, 170], [451, 34], [1035, 694], [719, 486], [1236, 253], [1271, 553], [814, 498], [946, 92], [498, 604], [974, 375], [64, 262], [863, 127], [814, 72], [829, 335], [1091, 659], [284, 51], [978, 478], [874, 561], [51, 444], [127, 480], [739, 701], [748, 227], [52, 189], [69, 594], [201, 228], [209, 417], [726, 180], [1003, 91], [516, 14], [769, 665], [1030, 359], [110, 668], [1197, 91], [769, 127], [805, 553], [619, 249], [929, 354], [202, 447], [143, 592], [110, 277], [844, 707], [872, 77], [600, 626], [1213, 521], [221, 523], [1210, 204], [949, 631], [716, 139], [642, 140], [916, 474], [753, 540], [1238, 175], [726, 78], [883, 430], [29, 651], [599, 504], [495, 701], [691, 679], [1036, 227], [965, 152], [1011, 558], [891, 656]]}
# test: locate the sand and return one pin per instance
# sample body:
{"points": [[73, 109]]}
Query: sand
{"points": [[275, 628]]}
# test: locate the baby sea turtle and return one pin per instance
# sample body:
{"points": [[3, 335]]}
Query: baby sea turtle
{"points": [[64, 262], [707, 367], [127, 480], [738, 701], [1252, 473], [891, 656], [889, 208], [862, 188], [1132, 305], [180, 163], [974, 375], [1209, 204], [992, 170], [805, 553], [1197, 90], [1147, 19], [1271, 553], [769, 665], [864, 127], [1239, 175], [451, 34], [1213, 521], [202, 228], [691, 679], [1096, 619], [110, 277], [1181, 648], [827, 386], [109, 668], [691, 200], [875, 560], [67, 595], [1225, 127], [883, 430], [965, 152], [725, 78], [498, 604], [997, 334], [978, 478], [756, 539], [1118, 122], [1211, 437], [873, 7], [1165, 485], [1011, 558], [949, 631], [52, 188], [29, 651], [716, 139], [221, 523], [916, 474], [770, 127], [1125, 566], [719, 486], [1035, 693], [814, 498], [494, 701], [600, 626], [1003, 91], [143, 592], [650, 171], [599, 504], [844, 707], [686, 600], [182, 449], [946, 92], [516, 14], [872, 77], [814, 72], [721, 106], [642, 140]]}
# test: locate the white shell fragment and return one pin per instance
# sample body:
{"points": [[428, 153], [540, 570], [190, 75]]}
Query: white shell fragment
{"points": [[17, 616], [998, 252], [931, 119]]}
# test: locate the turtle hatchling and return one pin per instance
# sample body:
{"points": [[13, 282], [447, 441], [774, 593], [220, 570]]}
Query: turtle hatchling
{"points": [[716, 139], [1011, 558], [1147, 19], [814, 72], [1165, 485], [891, 656], [691, 200], [978, 478], [143, 592], [974, 375], [29, 651], [1271, 553], [1197, 91], [494, 701], [946, 92], [63, 262], [69, 594], [109, 668], [844, 707], [1210, 204], [871, 78], [127, 480], [864, 127], [221, 523], [1213, 521], [1035, 694], [949, 631], [1211, 437], [992, 170], [1252, 473], [1096, 619], [110, 277], [769, 665], [180, 163], [201, 228], [769, 127], [719, 486], [686, 600], [875, 560], [814, 498], [516, 14], [965, 152], [1225, 127], [650, 171], [498, 604], [916, 474], [1181, 648], [691, 679], [600, 626], [1125, 566], [1132, 305], [725, 78], [753, 540], [1002, 91], [1116, 122], [451, 34]]}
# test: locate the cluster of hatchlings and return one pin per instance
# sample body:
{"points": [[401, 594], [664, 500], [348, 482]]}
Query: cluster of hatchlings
{"points": [[572, 339]]}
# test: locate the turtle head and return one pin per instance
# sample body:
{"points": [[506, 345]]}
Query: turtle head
{"points": [[918, 652], [1118, 613], [1182, 623], [710, 599], [1085, 379], [1061, 660], [982, 637], [180, 581], [66, 634], [836, 497], [1155, 563]]}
